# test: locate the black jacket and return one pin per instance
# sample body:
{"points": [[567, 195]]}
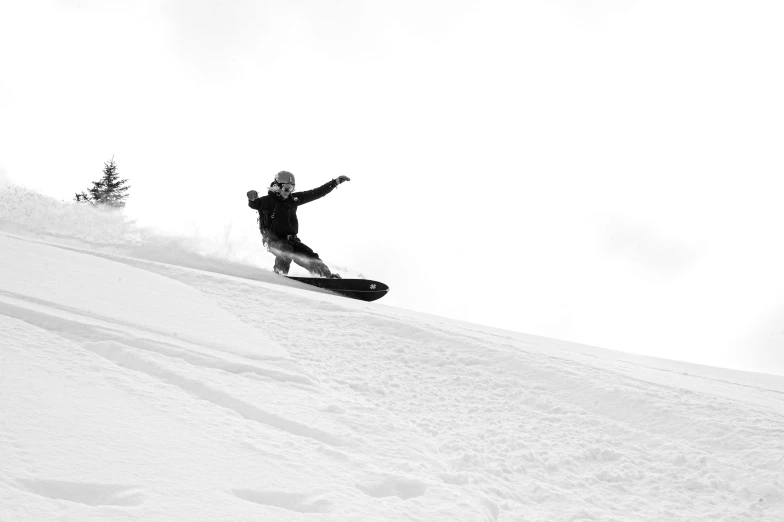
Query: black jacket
{"points": [[279, 216]]}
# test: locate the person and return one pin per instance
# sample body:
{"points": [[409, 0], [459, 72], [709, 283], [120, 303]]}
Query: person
{"points": [[279, 225]]}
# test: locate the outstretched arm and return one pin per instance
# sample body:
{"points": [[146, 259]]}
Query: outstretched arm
{"points": [[323, 190]]}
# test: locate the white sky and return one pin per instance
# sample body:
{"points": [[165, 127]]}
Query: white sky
{"points": [[605, 172]]}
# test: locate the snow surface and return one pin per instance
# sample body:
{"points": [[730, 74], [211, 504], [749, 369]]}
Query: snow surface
{"points": [[142, 381]]}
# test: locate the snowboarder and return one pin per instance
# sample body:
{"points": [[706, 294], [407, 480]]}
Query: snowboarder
{"points": [[279, 226]]}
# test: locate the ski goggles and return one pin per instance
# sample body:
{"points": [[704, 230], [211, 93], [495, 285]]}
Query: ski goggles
{"points": [[288, 187]]}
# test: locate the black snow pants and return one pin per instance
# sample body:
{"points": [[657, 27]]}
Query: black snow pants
{"points": [[291, 249]]}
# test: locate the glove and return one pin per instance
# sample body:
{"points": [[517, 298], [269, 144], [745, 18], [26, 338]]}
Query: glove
{"points": [[342, 179], [253, 195]]}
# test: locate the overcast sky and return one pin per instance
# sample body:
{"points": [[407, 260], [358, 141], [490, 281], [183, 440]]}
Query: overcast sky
{"points": [[606, 172]]}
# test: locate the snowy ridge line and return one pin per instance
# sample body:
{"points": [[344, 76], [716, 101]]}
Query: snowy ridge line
{"points": [[766, 388], [583, 385], [649, 376], [773, 382], [770, 387]]}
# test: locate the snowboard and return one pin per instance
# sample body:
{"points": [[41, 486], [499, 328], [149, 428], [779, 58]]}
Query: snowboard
{"points": [[362, 289]]}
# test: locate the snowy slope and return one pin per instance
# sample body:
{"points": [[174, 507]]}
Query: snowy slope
{"points": [[163, 386]]}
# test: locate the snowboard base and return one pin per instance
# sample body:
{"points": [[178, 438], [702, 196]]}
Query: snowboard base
{"points": [[362, 289]]}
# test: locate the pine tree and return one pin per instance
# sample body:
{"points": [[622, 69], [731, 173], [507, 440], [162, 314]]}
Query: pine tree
{"points": [[113, 189], [110, 190]]}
